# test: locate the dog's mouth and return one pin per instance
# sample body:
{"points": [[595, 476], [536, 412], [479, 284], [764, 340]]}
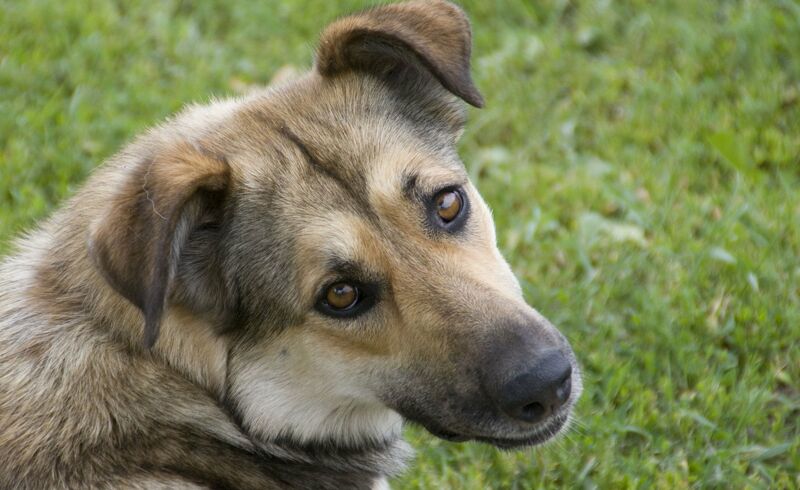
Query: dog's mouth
{"points": [[539, 435]]}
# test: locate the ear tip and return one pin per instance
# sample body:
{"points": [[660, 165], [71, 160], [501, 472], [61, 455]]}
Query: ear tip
{"points": [[463, 87], [438, 32], [149, 340], [474, 98], [151, 328]]}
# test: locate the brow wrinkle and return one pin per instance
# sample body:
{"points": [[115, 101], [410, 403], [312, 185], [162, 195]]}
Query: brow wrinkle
{"points": [[312, 160], [358, 197], [410, 185]]}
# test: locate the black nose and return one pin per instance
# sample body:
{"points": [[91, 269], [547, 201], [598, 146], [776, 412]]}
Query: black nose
{"points": [[540, 391]]}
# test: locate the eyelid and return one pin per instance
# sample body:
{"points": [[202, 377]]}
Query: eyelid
{"points": [[340, 269], [427, 195], [424, 185], [455, 184]]}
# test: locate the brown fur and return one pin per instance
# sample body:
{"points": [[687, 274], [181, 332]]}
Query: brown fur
{"points": [[160, 329]]}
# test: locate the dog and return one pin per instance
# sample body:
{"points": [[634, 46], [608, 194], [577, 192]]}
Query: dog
{"points": [[259, 292]]}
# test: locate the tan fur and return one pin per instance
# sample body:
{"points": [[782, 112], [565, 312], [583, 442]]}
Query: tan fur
{"points": [[162, 329]]}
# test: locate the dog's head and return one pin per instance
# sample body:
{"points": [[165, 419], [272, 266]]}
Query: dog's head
{"points": [[329, 232]]}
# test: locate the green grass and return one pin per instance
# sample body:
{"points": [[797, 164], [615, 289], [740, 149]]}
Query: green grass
{"points": [[642, 159]]}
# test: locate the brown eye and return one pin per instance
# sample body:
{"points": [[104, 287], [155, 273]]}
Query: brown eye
{"points": [[448, 205], [341, 296]]}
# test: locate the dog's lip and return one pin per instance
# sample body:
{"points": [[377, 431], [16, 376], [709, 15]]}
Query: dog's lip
{"points": [[449, 436], [542, 434], [551, 428]]}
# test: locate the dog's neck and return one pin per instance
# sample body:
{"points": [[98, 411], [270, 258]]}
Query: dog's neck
{"points": [[386, 459], [364, 465], [207, 364]]}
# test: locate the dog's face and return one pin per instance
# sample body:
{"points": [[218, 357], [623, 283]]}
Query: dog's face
{"points": [[330, 231]]}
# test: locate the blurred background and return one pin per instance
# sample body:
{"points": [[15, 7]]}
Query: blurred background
{"points": [[642, 159]]}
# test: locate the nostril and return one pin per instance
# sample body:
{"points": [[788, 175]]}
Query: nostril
{"points": [[532, 412], [564, 389]]}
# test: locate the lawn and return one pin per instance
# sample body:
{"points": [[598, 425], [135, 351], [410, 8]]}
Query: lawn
{"points": [[642, 159]]}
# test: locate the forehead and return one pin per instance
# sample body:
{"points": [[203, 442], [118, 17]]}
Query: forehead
{"points": [[353, 140], [353, 122], [353, 223], [340, 166]]}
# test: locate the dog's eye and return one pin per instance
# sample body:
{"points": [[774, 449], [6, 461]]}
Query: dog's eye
{"points": [[342, 296], [447, 210], [448, 205], [346, 298]]}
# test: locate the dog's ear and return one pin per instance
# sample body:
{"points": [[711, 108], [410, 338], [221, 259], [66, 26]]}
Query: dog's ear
{"points": [[138, 240], [388, 40]]}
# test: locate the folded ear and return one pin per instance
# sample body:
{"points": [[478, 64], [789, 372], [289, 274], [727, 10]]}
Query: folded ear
{"points": [[137, 242], [434, 35]]}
